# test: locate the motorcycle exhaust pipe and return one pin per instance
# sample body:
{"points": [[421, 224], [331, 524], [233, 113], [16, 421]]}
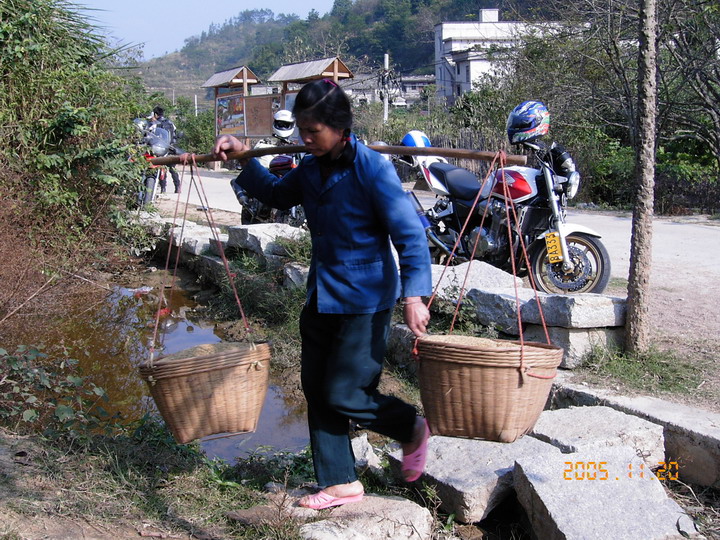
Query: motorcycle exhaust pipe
{"points": [[426, 224]]}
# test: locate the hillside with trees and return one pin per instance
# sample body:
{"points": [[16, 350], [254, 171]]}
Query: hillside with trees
{"points": [[585, 71], [360, 32]]}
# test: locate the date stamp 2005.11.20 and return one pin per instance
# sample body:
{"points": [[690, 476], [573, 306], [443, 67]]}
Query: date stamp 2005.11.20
{"points": [[603, 471]]}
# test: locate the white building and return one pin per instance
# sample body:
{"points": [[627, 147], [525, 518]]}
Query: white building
{"points": [[463, 50]]}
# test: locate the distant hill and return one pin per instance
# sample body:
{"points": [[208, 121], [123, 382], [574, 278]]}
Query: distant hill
{"points": [[359, 31]]}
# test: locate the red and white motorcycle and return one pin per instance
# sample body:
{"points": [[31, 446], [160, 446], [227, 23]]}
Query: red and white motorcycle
{"points": [[563, 258]]}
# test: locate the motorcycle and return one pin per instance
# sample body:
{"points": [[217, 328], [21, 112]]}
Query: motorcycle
{"points": [[562, 258], [157, 143], [254, 211]]}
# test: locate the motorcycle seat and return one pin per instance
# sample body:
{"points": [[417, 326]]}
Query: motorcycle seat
{"points": [[461, 183]]}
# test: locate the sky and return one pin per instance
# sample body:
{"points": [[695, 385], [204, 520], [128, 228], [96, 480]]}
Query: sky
{"points": [[163, 25]]}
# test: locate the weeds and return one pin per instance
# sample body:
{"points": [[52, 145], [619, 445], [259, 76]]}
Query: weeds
{"points": [[443, 311], [651, 371], [41, 393], [297, 249], [702, 504]]}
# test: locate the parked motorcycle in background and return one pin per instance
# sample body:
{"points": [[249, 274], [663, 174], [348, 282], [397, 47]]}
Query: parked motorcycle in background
{"points": [[254, 211], [157, 143], [563, 258]]}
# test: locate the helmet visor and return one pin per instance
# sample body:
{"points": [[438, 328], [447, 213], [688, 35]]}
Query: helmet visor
{"points": [[281, 124]]}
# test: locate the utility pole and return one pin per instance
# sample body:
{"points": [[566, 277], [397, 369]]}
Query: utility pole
{"points": [[196, 105], [386, 86]]}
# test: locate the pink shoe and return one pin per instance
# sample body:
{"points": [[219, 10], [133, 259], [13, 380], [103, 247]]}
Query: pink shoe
{"points": [[322, 500], [413, 464]]}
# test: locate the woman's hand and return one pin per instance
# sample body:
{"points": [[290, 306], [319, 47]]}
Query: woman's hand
{"points": [[226, 144], [416, 315]]}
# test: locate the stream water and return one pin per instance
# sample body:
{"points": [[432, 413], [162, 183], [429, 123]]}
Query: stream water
{"points": [[116, 336]]}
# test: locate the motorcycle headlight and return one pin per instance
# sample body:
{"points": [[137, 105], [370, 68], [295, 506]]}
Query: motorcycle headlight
{"points": [[159, 149], [573, 183]]}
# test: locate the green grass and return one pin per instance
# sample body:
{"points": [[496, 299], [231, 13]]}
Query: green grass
{"points": [[651, 371]]}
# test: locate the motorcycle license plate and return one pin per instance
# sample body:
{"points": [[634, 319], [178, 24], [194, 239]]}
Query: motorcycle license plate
{"points": [[552, 242]]}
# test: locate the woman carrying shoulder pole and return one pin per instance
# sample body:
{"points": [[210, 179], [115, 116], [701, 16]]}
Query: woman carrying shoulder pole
{"points": [[356, 209]]}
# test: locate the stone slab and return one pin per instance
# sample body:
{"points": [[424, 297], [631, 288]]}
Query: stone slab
{"points": [[498, 307], [295, 275], [214, 249], [576, 342], [196, 245], [599, 494], [585, 428], [471, 476], [262, 237], [374, 518], [692, 436], [575, 310], [481, 276]]}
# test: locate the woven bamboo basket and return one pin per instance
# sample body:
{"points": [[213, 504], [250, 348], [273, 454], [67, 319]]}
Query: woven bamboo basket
{"points": [[206, 394], [475, 387]]}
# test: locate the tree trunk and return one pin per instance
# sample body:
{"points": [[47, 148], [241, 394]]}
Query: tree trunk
{"points": [[637, 324]]}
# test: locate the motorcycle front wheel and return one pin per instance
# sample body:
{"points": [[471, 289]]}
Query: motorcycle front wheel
{"points": [[591, 267]]}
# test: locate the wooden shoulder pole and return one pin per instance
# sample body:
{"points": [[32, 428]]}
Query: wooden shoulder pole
{"points": [[459, 153]]}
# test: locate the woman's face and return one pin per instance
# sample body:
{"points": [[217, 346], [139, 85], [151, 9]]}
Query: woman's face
{"points": [[319, 139]]}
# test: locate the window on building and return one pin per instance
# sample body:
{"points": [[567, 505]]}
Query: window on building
{"points": [[467, 73]]}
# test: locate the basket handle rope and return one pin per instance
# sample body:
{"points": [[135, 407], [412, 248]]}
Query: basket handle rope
{"points": [[510, 206], [415, 353], [204, 202], [500, 160]]}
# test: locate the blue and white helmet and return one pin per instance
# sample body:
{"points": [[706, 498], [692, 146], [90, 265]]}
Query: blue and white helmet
{"points": [[416, 138], [528, 121]]}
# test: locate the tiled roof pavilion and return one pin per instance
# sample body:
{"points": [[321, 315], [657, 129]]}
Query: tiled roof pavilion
{"points": [[302, 72]]}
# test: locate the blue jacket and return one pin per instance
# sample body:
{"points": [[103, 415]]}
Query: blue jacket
{"points": [[352, 217]]}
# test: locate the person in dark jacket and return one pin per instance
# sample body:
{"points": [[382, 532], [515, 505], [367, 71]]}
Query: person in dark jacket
{"points": [[356, 211], [158, 117]]}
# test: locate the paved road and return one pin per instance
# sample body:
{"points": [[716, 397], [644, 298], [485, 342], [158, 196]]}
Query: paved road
{"points": [[684, 251], [215, 185]]}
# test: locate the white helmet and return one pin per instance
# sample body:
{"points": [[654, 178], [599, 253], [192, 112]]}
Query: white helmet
{"points": [[283, 124]]}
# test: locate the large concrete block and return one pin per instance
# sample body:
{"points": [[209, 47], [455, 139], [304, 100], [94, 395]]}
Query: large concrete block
{"points": [[196, 245], [586, 428], [295, 275], [575, 310], [600, 494], [262, 238], [498, 307], [576, 342], [482, 276], [692, 436], [374, 518], [215, 248], [471, 477]]}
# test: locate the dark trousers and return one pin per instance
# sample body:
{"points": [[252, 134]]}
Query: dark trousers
{"points": [[175, 177], [342, 357]]}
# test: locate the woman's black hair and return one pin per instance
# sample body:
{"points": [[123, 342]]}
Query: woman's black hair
{"points": [[325, 102]]}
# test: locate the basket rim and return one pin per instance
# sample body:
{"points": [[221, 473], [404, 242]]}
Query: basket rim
{"points": [[527, 364], [147, 373], [422, 340], [167, 360]]}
